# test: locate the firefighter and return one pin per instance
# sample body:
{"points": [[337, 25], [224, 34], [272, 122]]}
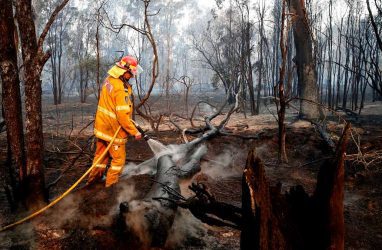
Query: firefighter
{"points": [[115, 109]]}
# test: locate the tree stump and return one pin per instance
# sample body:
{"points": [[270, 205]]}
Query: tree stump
{"points": [[260, 228], [294, 220]]}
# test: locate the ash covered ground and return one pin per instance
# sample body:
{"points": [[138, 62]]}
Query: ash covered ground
{"points": [[82, 220]]}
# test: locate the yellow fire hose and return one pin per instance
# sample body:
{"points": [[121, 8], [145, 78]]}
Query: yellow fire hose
{"points": [[67, 191]]}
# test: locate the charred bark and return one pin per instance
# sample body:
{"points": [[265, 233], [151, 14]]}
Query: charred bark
{"points": [[206, 208], [159, 215], [34, 59], [260, 228], [11, 93], [306, 68], [34, 136], [281, 103], [329, 196], [321, 128], [296, 220], [156, 212]]}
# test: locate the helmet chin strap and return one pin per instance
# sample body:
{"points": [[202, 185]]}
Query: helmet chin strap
{"points": [[124, 80]]}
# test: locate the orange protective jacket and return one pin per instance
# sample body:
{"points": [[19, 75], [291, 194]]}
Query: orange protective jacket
{"points": [[115, 109]]}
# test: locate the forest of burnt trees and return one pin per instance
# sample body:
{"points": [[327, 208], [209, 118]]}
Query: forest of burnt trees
{"points": [[302, 55]]}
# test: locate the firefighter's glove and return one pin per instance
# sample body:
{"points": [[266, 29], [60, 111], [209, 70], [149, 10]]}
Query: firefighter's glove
{"points": [[138, 136]]}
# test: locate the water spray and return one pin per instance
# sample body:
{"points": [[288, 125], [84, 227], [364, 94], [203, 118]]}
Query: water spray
{"points": [[154, 145]]}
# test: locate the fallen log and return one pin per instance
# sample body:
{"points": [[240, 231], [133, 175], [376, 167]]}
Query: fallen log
{"points": [[321, 128], [204, 207], [155, 213], [154, 217], [150, 219]]}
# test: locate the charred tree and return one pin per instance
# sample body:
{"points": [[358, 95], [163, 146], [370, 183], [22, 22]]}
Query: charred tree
{"points": [[281, 101], [156, 212], [261, 68], [57, 39], [338, 82], [374, 25], [33, 66], [34, 59], [330, 57], [250, 70], [11, 93], [306, 68], [206, 208], [97, 37], [260, 229], [329, 196]]}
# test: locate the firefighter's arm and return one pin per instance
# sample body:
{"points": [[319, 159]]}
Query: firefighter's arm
{"points": [[123, 109]]}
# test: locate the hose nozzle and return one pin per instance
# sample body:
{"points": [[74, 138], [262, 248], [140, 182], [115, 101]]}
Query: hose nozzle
{"points": [[146, 137]]}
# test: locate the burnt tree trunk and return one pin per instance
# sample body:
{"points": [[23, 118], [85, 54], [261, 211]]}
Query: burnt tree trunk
{"points": [[295, 220], [34, 59], [260, 229], [268, 219], [306, 68], [162, 213], [32, 68], [374, 25], [11, 91], [281, 104], [156, 212], [329, 196], [250, 70]]}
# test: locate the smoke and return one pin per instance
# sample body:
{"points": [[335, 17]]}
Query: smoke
{"points": [[185, 231], [136, 220], [147, 220], [76, 210], [222, 166], [207, 110], [178, 152], [132, 169], [199, 152], [264, 152], [21, 236], [64, 211], [126, 193]]}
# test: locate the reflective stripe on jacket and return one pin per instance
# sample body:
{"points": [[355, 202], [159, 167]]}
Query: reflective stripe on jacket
{"points": [[114, 109]]}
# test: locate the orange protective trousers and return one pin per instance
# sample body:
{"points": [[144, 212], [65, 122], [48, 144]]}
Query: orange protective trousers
{"points": [[117, 154]]}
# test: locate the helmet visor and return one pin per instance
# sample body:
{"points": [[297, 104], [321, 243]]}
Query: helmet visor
{"points": [[135, 70]]}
